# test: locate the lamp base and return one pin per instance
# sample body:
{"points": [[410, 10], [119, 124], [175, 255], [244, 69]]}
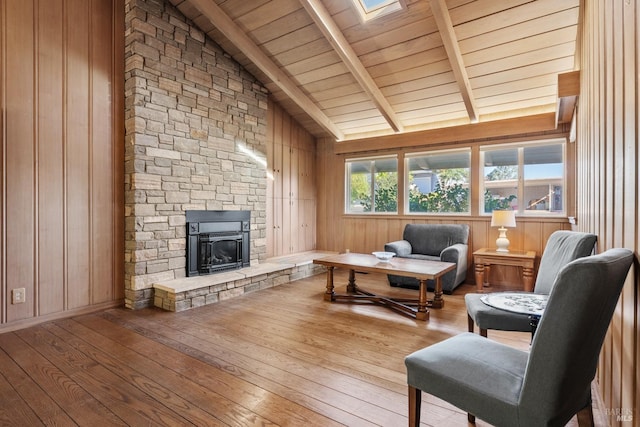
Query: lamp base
{"points": [[502, 243]]}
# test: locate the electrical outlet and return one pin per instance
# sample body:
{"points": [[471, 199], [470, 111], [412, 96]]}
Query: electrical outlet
{"points": [[18, 296]]}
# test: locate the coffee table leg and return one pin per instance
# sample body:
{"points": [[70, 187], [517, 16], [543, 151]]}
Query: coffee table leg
{"points": [[328, 295], [438, 301], [351, 287], [423, 312]]}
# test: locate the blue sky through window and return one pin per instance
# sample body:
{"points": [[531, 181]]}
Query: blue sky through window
{"points": [[552, 170], [370, 4], [370, 9]]}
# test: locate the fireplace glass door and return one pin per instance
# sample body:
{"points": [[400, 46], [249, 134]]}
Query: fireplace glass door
{"points": [[218, 252]]}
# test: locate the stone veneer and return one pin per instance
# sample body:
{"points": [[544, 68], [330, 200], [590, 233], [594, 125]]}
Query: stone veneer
{"points": [[195, 139], [183, 294]]}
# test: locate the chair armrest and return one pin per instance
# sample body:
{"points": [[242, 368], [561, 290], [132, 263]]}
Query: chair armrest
{"points": [[402, 248], [455, 253], [458, 254]]}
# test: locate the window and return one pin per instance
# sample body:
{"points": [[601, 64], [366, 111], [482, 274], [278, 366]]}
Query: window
{"points": [[529, 179], [372, 185], [438, 182], [371, 9]]}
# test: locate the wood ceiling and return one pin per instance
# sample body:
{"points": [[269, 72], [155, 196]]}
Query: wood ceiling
{"points": [[436, 63]]}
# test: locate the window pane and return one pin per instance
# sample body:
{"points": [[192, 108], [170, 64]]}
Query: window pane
{"points": [[500, 179], [359, 175], [543, 178], [372, 4], [439, 182], [528, 178], [372, 185]]}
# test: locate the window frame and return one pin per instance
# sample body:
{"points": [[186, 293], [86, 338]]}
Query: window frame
{"points": [[407, 171], [369, 13], [520, 180], [347, 184]]}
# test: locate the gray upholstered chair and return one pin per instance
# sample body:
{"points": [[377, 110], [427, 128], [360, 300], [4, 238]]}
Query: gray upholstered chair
{"points": [[436, 242], [562, 247], [549, 384]]}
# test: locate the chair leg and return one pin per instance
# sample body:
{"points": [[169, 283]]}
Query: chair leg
{"points": [[415, 400], [585, 416], [470, 323]]}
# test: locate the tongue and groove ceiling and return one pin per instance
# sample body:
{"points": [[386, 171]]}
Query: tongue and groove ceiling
{"points": [[432, 64]]}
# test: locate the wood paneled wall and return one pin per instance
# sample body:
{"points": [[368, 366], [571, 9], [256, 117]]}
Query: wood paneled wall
{"points": [[366, 233], [607, 171], [61, 92], [291, 190]]}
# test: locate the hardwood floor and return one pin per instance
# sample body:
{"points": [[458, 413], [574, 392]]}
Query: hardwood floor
{"points": [[280, 356]]}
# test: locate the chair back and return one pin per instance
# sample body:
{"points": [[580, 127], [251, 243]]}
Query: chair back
{"points": [[432, 239], [565, 350], [561, 248]]}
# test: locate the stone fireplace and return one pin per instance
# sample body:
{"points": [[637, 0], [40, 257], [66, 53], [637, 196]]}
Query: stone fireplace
{"points": [[217, 241], [196, 125]]}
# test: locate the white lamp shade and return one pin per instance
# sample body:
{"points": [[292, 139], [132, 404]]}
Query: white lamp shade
{"points": [[503, 219]]}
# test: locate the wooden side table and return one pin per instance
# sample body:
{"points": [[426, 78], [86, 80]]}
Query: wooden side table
{"points": [[485, 257]]}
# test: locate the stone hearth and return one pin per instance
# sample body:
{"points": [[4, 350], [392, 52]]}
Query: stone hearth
{"points": [[190, 292]]}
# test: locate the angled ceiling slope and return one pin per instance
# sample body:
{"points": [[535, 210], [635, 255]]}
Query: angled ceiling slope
{"points": [[433, 64]]}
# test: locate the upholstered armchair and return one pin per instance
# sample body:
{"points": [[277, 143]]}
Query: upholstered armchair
{"points": [[562, 247], [436, 242], [545, 386]]}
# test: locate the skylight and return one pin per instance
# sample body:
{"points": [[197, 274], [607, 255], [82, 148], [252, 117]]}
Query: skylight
{"points": [[372, 4], [370, 9]]}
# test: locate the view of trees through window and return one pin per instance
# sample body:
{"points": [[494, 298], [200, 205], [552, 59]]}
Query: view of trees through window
{"points": [[497, 201], [384, 195], [450, 193], [439, 182], [372, 185]]}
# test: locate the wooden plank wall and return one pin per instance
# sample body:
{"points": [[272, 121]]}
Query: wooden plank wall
{"points": [[291, 190], [365, 233], [607, 176], [61, 99]]}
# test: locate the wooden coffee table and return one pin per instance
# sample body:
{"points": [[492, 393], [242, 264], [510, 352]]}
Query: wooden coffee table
{"points": [[420, 269]]}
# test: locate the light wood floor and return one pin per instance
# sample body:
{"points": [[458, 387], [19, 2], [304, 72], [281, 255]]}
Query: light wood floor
{"points": [[280, 356]]}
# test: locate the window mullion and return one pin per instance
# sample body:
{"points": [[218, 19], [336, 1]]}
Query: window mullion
{"points": [[373, 186], [520, 193]]}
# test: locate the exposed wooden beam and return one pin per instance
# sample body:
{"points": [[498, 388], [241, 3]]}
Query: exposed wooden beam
{"points": [[490, 129], [231, 31], [569, 84], [450, 41], [333, 34], [568, 91]]}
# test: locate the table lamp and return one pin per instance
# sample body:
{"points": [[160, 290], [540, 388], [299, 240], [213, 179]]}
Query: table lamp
{"points": [[503, 219]]}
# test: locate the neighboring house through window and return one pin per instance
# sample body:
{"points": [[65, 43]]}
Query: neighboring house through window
{"points": [[528, 178], [438, 182]]}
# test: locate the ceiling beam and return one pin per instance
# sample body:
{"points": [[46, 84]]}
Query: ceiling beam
{"points": [[450, 41], [512, 127], [230, 30], [568, 92], [333, 34]]}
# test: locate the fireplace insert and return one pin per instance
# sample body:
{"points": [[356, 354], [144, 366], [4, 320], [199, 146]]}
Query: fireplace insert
{"points": [[217, 241]]}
